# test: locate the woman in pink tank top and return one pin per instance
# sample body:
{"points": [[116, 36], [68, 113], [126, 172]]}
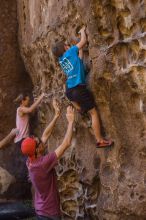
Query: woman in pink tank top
{"points": [[23, 114]]}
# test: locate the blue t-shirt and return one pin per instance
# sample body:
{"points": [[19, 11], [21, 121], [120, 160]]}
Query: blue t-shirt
{"points": [[73, 67]]}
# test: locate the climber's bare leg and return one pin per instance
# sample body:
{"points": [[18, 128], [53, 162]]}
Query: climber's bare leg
{"points": [[95, 124], [101, 142]]}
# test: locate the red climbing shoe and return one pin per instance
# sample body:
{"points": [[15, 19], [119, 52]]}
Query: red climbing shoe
{"points": [[104, 143]]}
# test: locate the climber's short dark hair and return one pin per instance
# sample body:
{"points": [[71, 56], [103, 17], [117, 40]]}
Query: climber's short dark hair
{"points": [[58, 49]]}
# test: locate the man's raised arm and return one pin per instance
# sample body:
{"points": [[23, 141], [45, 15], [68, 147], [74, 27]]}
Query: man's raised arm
{"points": [[47, 132], [70, 115]]}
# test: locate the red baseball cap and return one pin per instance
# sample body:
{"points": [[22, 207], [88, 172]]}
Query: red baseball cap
{"points": [[28, 147]]}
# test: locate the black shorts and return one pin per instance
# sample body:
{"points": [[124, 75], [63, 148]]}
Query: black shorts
{"points": [[82, 96]]}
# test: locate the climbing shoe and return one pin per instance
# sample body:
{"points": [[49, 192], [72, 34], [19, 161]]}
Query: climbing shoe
{"points": [[104, 143]]}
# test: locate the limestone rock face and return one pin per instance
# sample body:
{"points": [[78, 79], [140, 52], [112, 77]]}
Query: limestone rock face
{"points": [[13, 80], [95, 184], [6, 180]]}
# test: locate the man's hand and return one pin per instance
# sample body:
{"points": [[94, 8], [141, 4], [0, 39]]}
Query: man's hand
{"points": [[56, 107], [109, 57], [70, 115], [42, 95]]}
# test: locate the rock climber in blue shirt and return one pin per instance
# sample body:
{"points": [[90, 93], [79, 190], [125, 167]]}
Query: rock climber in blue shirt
{"points": [[76, 89]]}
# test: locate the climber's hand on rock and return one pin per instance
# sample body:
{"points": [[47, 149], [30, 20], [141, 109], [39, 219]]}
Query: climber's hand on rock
{"points": [[70, 115], [42, 95], [83, 39], [56, 107], [83, 29]]}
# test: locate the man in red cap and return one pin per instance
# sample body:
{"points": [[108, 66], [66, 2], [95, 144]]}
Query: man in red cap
{"points": [[41, 169]]}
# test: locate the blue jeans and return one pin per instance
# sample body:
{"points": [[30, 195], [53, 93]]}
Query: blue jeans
{"points": [[40, 217]]}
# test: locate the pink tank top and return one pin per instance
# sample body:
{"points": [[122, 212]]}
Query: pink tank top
{"points": [[22, 124]]}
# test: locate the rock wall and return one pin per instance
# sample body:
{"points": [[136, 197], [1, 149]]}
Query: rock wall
{"points": [[13, 80], [95, 184]]}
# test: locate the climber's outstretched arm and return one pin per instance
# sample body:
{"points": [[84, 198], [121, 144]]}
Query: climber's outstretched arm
{"points": [[8, 138], [27, 110], [81, 53], [83, 40]]}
